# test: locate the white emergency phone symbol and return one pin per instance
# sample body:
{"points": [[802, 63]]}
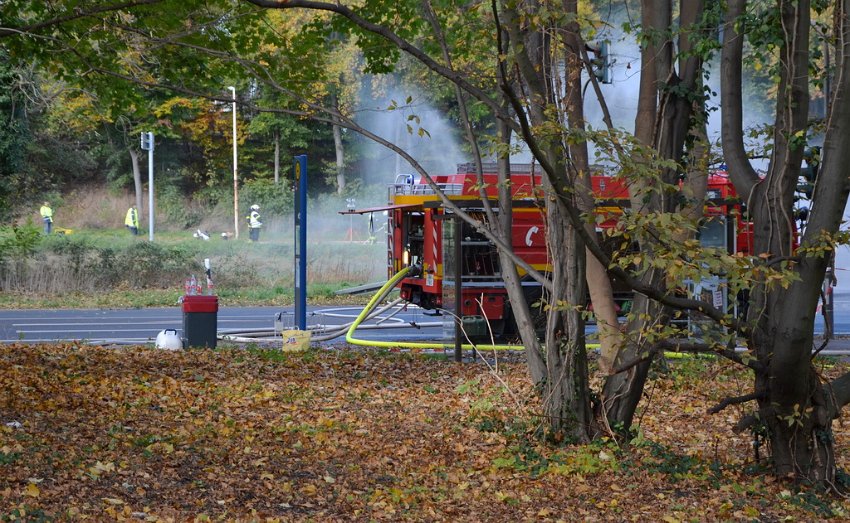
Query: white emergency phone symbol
{"points": [[528, 235]]}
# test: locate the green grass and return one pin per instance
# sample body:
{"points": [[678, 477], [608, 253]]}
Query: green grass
{"points": [[111, 269]]}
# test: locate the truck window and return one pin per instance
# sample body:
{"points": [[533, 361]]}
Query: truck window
{"points": [[712, 233]]}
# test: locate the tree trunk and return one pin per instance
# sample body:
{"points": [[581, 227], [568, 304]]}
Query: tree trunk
{"points": [[339, 148], [563, 388], [665, 106], [520, 308], [598, 283], [340, 155], [137, 180], [566, 398], [795, 408], [276, 138], [621, 392], [792, 403]]}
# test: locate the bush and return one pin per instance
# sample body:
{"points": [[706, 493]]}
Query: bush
{"points": [[19, 241], [68, 264], [178, 215], [151, 265], [272, 199]]}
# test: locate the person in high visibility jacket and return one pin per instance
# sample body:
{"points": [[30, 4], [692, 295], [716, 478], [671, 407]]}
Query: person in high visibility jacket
{"points": [[47, 217], [254, 223], [132, 220]]}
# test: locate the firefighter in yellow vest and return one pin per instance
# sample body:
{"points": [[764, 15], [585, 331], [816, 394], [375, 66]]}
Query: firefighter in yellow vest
{"points": [[254, 223], [47, 217], [132, 220]]}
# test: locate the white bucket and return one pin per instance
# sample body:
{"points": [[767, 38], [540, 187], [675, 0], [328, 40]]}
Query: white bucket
{"points": [[169, 340]]}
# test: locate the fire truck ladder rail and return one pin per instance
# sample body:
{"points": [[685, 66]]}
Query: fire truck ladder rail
{"points": [[405, 184]]}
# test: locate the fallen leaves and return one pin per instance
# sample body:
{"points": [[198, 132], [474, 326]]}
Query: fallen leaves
{"points": [[333, 436], [32, 490]]}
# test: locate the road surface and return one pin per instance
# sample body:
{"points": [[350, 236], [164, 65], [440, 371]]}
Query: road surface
{"points": [[124, 326], [142, 325]]}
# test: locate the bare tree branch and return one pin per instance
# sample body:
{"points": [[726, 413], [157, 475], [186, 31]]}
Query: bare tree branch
{"points": [[395, 39], [78, 13], [737, 400], [742, 173]]}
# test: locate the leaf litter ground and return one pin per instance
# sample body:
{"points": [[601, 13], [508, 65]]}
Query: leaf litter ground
{"points": [[249, 435]]}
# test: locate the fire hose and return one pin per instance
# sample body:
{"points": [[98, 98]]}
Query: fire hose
{"points": [[349, 336]]}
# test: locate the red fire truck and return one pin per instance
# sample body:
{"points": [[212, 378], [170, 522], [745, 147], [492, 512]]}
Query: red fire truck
{"points": [[426, 236]]}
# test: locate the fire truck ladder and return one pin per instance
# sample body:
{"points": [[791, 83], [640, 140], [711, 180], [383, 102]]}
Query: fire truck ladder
{"points": [[390, 245]]}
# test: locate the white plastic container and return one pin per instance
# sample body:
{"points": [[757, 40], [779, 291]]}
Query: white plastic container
{"points": [[169, 340]]}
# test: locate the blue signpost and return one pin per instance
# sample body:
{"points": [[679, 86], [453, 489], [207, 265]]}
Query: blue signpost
{"points": [[301, 242]]}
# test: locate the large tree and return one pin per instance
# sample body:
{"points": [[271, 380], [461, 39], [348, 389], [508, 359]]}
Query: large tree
{"points": [[795, 406], [534, 52]]}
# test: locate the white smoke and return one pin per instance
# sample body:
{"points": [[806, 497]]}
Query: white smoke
{"points": [[406, 119]]}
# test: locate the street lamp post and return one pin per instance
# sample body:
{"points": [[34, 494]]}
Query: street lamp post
{"points": [[235, 175]]}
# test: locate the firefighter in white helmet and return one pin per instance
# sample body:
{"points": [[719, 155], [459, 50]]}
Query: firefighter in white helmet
{"points": [[254, 223]]}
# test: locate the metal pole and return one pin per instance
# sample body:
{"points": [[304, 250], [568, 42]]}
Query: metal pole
{"points": [[150, 188], [458, 236], [235, 175], [300, 261]]}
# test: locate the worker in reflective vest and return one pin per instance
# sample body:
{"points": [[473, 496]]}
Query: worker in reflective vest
{"points": [[132, 220], [254, 223], [47, 217]]}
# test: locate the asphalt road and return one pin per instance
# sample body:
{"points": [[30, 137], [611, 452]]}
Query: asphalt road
{"points": [[141, 326]]}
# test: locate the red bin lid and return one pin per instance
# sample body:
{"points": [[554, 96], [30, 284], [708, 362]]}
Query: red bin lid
{"points": [[200, 303]]}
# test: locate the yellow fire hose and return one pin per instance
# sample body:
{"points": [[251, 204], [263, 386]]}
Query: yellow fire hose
{"points": [[385, 289], [349, 336]]}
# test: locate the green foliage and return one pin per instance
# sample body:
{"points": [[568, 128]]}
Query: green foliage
{"points": [[193, 138], [172, 202], [19, 241], [676, 465], [272, 199], [27, 513], [815, 503], [584, 460], [8, 458], [523, 457], [113, 269], [597, 458], [146, 264], [13, 133]]}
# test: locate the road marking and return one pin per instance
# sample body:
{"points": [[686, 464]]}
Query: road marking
{"points": [[268, 321]]}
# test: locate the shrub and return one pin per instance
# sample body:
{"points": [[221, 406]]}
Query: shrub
{"points": [[179, 215], [19, 241], [151, 265], [272, 199]]}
